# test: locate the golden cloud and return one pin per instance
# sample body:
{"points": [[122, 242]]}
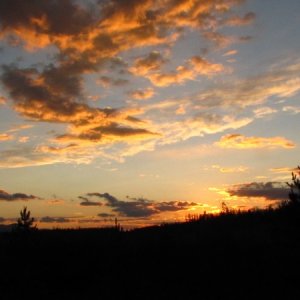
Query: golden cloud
{"points": [[196, 66], [5, 137], [2, 100], [23, 139], [264, 111], [204, 67], [178, 77], [238, 141]]}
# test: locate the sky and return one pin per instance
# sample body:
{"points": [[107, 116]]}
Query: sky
{"points": [[146, 110]]}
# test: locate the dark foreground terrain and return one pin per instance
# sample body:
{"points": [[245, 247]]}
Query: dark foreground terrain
{"points": [[253, 255]]}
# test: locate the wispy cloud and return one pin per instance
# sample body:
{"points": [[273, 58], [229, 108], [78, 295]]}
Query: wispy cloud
{"points": [[48, 219], [292, 109], [239, 169], [240, 21], [261, 112], [239, 141], [280, 82], [283, 170]]}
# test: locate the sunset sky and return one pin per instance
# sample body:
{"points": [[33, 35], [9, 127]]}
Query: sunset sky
{"points": [[146, 110]]}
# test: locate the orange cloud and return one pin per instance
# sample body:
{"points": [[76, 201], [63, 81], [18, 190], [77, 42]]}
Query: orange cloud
{"points": [[238, 141], [144, 65], [2, 100], [180, 76], [23, 139], [5, 137], [204, 67], [142, 94], [196, 66]]}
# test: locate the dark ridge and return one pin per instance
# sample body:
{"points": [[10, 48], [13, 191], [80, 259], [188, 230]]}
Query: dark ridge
{"points": [[235, 255]]}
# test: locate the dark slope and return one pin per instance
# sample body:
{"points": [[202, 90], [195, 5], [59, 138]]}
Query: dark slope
{"points": [[249, 255]]}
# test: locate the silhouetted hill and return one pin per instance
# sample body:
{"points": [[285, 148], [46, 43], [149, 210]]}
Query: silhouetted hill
{"points": [[248, 255]]}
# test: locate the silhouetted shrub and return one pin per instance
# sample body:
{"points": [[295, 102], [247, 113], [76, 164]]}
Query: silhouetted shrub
{"points": [[25, 222], [294, 194]]}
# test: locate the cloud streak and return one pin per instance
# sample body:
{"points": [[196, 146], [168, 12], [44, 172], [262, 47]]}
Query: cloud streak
{"points": [[48, 219], [5, 137], [238, 141]]}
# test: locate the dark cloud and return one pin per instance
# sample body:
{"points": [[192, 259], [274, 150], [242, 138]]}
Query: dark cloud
{"points": [[52, 96], [2, 220], [140, 207], [54, 220], [267, 190], [41, 100], [87, 202], [113, 131], [106, 215], [174, 205], [53, 17], [123, 131], [16, 196]]}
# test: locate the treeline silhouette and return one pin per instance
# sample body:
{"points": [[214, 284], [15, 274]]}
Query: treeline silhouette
{"points": [[252, 254]]}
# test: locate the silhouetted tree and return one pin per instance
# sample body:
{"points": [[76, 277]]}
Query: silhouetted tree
{"points": [[118, 225], [294, 194], [25, 222], [224, 208]]}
